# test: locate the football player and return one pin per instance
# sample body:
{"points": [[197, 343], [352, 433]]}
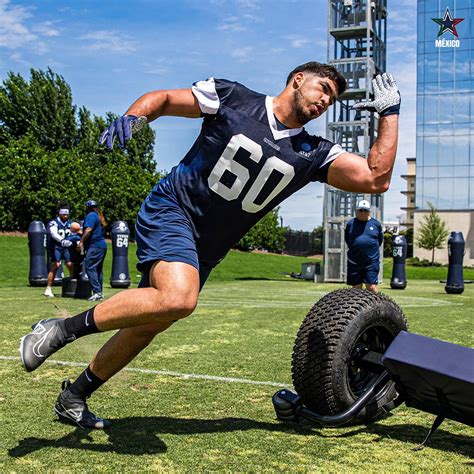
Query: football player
{"points": [[252, 152], [58, 245]]}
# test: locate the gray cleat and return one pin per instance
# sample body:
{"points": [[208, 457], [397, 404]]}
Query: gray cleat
{"points": [[46, 338], [72, 409]]}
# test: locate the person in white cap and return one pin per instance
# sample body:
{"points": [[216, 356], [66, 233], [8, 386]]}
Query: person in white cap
{"points": [[363, 236], [58, 228]]}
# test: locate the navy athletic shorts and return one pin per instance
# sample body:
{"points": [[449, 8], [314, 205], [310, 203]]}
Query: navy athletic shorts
{"points": [[357, 274], [56, 254], [164, 232]]}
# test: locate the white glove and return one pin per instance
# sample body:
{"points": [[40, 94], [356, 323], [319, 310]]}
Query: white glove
{"points": [[66, 243], [386, 97]]}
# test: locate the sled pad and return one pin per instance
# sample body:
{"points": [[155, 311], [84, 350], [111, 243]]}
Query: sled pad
{"points": [[433, 375]]}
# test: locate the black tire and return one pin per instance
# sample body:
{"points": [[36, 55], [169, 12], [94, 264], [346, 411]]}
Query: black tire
{"points": [[342, 320]]}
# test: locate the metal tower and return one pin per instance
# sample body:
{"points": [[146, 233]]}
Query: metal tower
{"points": [[356, 47]]}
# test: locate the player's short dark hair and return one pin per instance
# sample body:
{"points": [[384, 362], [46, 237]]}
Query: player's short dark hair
{"points": [[321, 70]]}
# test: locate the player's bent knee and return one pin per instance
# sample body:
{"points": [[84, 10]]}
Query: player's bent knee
{"points": [[175, 304], [183, 307]]}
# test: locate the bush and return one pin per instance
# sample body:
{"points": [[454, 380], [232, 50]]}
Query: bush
{"points": [[265, 235], [387, 244], [416, 262]]}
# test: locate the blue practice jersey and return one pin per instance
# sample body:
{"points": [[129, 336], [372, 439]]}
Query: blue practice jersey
{"points": [[242, 165], [97, 238], [363, 239], [58, 230]]}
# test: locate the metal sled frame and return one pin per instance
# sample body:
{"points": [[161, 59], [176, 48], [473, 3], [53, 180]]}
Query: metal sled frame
{"points": [[430, 375]]}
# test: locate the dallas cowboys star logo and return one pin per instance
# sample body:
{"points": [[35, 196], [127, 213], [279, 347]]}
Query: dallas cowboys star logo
{"points": [[448, 23]]}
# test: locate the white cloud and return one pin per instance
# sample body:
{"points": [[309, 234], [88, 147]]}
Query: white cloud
{"points": [[18, 58], [13, 31], [40, 47], [248, 4], [46, 29], [110, 41], [160, 67], [249, 10], [242, 54], [245, 12], [231, 23], [297, 41]]}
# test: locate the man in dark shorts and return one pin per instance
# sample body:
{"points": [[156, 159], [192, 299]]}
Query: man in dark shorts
{"points": [[251, 154], [363, 236], [58, 246]]}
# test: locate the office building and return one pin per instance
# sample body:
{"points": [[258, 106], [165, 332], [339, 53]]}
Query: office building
{"points": [[445, 119]]}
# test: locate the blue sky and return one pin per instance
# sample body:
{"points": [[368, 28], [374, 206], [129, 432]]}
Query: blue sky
{"points": [[111, 52]]}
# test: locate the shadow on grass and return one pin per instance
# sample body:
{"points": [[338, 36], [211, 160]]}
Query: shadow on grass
{"points": [[442, 440], [139, 435]]}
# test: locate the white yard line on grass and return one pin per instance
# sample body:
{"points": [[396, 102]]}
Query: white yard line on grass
{"points": [[411, 302], [168, 373]]}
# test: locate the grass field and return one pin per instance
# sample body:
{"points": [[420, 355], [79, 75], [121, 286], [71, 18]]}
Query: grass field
{"points": [[199, 397]]}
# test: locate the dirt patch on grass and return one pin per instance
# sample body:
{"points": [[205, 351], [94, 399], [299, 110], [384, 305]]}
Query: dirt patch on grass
{"points": [[15, 233]]}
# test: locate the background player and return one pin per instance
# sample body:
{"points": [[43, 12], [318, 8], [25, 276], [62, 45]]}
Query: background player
{"points": [[252, 153], [58, 246]]}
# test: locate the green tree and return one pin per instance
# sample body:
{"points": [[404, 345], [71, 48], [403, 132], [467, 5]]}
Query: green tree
{"points": [[34, 181], [54, 115], [409, 237], [15, 114], [267, 234], [47, 154], [42, 107], [318, 239], [387, 244], [87, 131], [433, 232]]}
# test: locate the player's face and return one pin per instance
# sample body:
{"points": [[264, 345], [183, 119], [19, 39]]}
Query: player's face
{"points": [[63, 217], [313, 97]]}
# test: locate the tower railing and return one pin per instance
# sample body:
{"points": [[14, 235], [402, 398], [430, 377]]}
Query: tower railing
{"points": [[356, 47]]}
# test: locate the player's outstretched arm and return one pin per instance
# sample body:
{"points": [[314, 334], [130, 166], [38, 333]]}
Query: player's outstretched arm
{"points": [[177, 102], [353, 173]]}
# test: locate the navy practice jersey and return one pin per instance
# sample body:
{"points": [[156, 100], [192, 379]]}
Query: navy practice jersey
{"points": [[58, 230], [363, 239], [97, 238], [241, 166]]}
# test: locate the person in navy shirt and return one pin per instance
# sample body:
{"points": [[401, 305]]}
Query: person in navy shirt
{"points": [[58, 246], [363, 236], [94, 243], [251, 154]]}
